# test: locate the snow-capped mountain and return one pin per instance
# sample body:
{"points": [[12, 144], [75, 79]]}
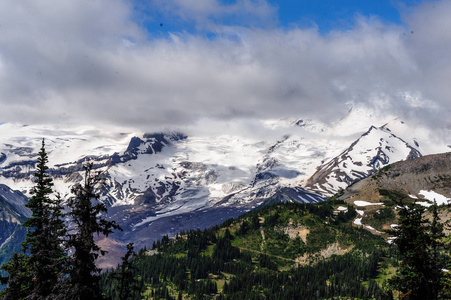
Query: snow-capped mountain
{"points": [[160, 183], [373, 150]]}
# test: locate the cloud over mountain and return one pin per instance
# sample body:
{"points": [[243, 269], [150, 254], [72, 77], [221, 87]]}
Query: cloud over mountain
{"points": [[92, 62]]}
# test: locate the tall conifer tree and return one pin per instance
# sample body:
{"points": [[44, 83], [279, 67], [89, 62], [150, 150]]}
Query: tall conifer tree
{"points": [[86, 210], [419, 241], [18, 279], [44, 257], [126, 286]]}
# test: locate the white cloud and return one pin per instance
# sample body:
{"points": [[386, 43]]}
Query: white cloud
{"points": [[87, 61]]}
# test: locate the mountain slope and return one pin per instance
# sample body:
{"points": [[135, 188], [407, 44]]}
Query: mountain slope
{"points": [[374, 149], [427, 173], [12, 213], [281, 251], [161, 183], [422, 180]]}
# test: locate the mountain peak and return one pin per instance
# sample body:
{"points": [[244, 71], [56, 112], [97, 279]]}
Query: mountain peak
{"points": [[373, 150]]}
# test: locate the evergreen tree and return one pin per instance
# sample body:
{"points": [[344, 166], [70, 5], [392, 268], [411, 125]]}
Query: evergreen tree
{"points": [[419, 242], [43, 243], [86, 215], [18, 278], [125, 276]]}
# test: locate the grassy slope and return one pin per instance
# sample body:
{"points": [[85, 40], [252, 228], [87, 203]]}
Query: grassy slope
{"points": [[262, 260]]}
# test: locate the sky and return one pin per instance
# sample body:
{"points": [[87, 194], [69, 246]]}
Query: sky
{"points": [[172, 63]]}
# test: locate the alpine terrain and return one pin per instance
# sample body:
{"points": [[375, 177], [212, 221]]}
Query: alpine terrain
{"points": [[164, 182]]}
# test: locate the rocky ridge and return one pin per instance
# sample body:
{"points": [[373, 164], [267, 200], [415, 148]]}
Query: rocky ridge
{"points": [[373, 150], [427, 173]]}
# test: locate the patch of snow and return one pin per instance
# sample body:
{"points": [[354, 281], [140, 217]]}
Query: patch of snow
{"points": [[424, 203], [342, 208], [373, 229], [358, 221], [365, 203], [391, 239], [360, 212], [312, 198], [431, 195], [6, 241]]}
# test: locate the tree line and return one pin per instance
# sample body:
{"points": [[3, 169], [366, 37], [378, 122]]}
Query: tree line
{"points": [[194, 262]]}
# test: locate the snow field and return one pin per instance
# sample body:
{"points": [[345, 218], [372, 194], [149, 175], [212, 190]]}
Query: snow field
{"points": [[365, 203]]}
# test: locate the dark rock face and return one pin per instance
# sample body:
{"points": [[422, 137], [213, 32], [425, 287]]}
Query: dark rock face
{"points": [[147, 198], [15, 169], [2, 157], [165, 138], [265, 176], [151, 143], [11, 237], [78, 166], [135, 142], [300, 123], [22, 151]]}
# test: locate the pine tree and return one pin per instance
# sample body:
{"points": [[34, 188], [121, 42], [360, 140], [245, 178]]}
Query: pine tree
{"points": [[127, 284], [419, 242], [18, 279], [44, 255], [86, 215], [438, 261]]}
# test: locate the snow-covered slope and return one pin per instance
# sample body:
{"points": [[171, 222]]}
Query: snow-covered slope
{"points": [[374, 149], [158, 183], [19, 145]]}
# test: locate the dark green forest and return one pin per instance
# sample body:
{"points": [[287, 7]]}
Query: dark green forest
{"points": [[232, 261]]}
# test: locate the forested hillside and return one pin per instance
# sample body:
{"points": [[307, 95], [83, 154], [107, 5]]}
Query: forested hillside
{"points": [[283, 251]]}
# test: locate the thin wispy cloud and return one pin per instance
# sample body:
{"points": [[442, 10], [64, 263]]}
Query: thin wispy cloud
{"points": [[93, 62]]}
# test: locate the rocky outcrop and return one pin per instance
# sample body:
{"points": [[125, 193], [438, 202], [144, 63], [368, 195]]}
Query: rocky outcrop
{"points": [[2, 157], [431, 172]]}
